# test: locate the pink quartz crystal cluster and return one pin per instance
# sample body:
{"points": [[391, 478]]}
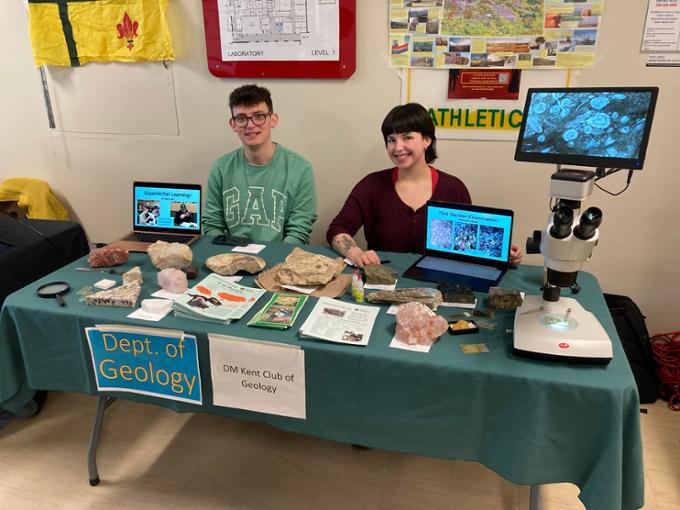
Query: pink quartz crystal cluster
{"points": [[417, 324], [107, 256]]}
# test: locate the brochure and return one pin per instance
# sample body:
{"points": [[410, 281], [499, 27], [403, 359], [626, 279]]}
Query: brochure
{"points": [[216, 299], [280, 312], [338, 321]]}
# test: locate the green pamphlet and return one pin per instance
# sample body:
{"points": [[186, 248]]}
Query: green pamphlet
{"points": [[280, 312]]}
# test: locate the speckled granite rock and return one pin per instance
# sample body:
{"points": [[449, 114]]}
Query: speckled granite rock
{"points": [[124, 296], [504, 299]]}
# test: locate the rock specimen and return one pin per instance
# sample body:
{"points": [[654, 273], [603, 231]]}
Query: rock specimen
{"points": [[304, 268], [228, 264], [429, 297], [124, 296], [165, 255], [133, 275], [504, 299], [173, 280], [456, 292], [377, 274], [107, 256], [417, 324], [191, 271]]}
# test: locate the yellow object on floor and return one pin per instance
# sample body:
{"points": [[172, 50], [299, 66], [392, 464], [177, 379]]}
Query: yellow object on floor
{"points": [[34, 196], [75, 32]]}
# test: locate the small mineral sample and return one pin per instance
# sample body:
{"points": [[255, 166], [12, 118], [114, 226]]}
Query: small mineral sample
{"points": [[165, 255], [107, 256], [417, 324], [173, 280], [228, 264], [504, 299], [456, 292], [191, 271], [133, 275]]}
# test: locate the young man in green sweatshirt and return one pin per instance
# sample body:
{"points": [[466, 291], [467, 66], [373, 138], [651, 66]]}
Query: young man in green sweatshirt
{"points": [[262, 190]]}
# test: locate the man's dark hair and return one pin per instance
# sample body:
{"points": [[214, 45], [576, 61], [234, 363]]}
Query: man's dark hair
{"points": [[411, 117], [250, 95]]}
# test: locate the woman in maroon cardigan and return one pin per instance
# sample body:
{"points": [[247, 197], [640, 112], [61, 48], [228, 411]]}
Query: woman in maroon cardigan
{"points": [[390, 204]]}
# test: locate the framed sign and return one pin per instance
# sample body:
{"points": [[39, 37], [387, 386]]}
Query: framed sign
{"points": [[285, 39]]}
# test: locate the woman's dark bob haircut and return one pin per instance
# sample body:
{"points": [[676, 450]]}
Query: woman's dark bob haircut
{"points": [[411, 117]]}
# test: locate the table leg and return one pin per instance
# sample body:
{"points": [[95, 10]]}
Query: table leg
{"points": [[102, 403], [534, 497]]}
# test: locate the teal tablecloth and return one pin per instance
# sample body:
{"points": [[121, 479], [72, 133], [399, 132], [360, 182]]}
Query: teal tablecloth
{"points": [[532, 422]]}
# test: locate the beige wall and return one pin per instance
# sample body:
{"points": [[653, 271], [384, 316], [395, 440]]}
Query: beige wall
{"points": [[335, 124]]}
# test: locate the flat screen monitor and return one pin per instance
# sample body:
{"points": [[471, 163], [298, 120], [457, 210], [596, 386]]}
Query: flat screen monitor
{"points": [[596, 127]]}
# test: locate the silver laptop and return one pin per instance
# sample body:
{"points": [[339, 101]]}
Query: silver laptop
{"points": [[163, 212], [465, 244]]}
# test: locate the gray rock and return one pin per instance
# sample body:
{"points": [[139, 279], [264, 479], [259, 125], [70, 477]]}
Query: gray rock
{"points": [[228, 264], [427, 296], [378, 274], [304, 268], [504, 299], [170, 255]]}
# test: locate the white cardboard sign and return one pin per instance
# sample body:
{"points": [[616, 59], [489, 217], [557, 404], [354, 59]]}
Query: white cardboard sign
{"points": [[258, 376]]}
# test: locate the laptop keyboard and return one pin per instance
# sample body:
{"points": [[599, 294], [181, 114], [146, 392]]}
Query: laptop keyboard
{"points": [[458, 267], [152, 238]]}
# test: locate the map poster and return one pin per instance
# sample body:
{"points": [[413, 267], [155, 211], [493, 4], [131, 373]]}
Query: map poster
{"points": [[252, 30], [513, 34], [484, 83]]}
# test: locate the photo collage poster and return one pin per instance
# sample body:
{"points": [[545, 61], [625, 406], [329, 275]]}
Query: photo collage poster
{"points": [[511, 34]]}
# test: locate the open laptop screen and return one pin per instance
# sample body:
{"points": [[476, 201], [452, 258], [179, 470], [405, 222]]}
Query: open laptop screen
{"points": [[479, 232], [167, 207]]}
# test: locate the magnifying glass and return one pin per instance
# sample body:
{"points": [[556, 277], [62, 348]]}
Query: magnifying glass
{"points": [[54, 290]]}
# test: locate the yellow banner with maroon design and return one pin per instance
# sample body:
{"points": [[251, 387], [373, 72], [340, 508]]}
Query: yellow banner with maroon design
{"points": [[75, 32]]}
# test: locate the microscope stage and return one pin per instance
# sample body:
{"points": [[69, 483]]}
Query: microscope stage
{"points": [[560, 331]]}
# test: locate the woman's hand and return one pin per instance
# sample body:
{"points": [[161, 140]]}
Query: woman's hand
{"points": [[360, 257], [515, 254]]}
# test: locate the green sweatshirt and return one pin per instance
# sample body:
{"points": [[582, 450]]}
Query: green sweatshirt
{"points": [[273, 202]]}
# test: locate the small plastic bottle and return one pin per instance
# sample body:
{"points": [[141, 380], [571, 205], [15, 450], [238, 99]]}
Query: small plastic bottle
{"points": [[355, 281], [359, 297]]}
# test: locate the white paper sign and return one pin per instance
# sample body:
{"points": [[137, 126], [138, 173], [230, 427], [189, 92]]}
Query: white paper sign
{"points": [[258, 376], [662, 27]]}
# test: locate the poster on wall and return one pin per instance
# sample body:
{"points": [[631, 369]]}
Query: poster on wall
{"points": [[517, 34], [285, 30], [484, 83]]}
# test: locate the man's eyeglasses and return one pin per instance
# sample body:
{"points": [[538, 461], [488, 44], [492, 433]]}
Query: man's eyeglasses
{"points": [[258, 119]]}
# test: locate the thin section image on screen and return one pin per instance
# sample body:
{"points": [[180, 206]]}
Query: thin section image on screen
{"points": [[590, 126], [468, 233]]}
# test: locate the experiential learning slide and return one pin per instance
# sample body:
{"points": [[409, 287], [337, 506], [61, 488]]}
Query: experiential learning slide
{"points": [[522, 34], [468, 233], [167, 208], [282, 30]]}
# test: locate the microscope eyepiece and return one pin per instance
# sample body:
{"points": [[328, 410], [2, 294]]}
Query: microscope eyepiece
{"points": [[562, 220], [590, 220]]}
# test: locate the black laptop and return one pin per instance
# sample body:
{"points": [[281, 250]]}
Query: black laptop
{"points": [[465, 244], [163, 211]]}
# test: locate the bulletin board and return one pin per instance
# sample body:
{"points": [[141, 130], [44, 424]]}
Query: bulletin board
{"points": [[328, 66]]}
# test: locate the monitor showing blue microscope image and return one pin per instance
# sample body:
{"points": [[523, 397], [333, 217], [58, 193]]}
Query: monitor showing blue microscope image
{"points": [[597, 127]]}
